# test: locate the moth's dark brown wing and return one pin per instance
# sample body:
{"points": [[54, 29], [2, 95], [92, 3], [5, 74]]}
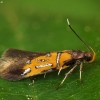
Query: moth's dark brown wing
{"points": [[13, 53], [12, 62]]}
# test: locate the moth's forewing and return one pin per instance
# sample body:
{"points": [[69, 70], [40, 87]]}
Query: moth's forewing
{"points": [[12, 62]]}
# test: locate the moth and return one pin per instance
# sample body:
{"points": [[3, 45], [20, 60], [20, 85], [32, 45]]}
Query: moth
{"points": [[18, 64]]}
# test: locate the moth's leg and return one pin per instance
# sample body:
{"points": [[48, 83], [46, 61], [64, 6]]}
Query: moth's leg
{"points": [[81, 70], [59, 70], [66, 76]]}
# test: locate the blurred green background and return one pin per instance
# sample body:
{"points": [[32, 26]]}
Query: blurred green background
{"points": [[40, 25]]}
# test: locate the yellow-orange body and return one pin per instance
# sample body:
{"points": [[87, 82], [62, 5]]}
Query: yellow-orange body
{"points": [[45, 60]]}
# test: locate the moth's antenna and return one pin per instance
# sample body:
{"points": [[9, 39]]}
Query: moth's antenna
{"points": [[78, 36], [88, 47]]}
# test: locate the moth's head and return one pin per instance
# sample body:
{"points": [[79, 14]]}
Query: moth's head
{"points": [[84, 56], [89, 57]]}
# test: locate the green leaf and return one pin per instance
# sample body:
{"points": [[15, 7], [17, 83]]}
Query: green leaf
{"points": [[41, 26]]}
